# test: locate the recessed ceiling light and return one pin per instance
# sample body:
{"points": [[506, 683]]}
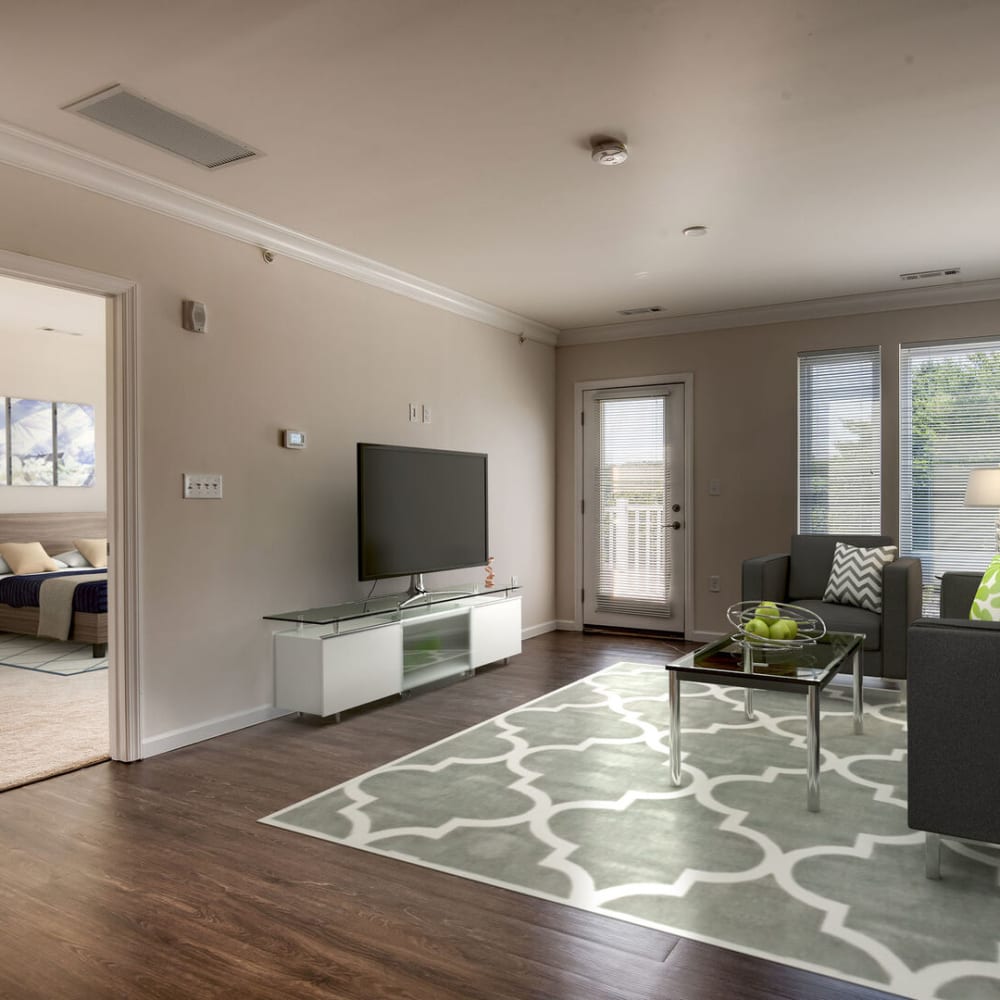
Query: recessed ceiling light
{"points": [[695, 231], [609, 152]]}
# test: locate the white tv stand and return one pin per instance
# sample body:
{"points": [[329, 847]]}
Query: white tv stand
{"points": [[346, 655]]}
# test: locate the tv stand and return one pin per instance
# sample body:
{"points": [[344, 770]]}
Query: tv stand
{"points": [[346, 655]]}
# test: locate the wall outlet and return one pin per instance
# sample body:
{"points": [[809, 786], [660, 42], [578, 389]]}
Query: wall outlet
{"points": [[714, 488], [202, 486], [713, 584], [514, 582], [414, 413]]}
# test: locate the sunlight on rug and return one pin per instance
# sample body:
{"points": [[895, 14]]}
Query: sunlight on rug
{"points": [[49, 656], [568, 798]]}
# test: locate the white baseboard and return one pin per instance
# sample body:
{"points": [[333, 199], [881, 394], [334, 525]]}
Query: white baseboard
{"points": [[177, 738], [530, 633], [565, 625]]}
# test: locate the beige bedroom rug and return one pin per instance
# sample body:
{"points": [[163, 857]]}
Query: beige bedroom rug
{"points": [[50, 724]]}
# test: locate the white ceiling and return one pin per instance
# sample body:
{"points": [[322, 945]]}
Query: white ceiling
{"points": [[828, 144], [26, 306]]}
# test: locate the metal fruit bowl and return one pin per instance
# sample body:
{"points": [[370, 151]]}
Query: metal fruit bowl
{"points": [[811, 627]]}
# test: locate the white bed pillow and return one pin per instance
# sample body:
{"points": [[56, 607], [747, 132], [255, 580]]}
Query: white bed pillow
{"points": [[4, 568], [73, 558]]}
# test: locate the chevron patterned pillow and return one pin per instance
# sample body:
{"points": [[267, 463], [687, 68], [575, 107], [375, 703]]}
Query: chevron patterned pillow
{"points": [[986, 604], [856, 576]]}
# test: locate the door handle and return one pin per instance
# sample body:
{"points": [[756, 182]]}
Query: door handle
{"points": [[675, 525]]}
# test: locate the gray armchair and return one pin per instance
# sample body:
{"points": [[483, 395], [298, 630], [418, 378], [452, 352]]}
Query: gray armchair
{"points": [[800, 577], [953, 702]]}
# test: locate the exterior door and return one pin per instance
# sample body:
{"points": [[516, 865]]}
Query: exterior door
{"points": [[633, 518]]}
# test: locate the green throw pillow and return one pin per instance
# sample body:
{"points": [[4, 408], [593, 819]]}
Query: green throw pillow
{"points": [[986, 603]]}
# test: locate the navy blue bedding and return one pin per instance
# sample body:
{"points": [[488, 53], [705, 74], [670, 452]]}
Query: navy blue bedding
{"points": [[22, 591]]}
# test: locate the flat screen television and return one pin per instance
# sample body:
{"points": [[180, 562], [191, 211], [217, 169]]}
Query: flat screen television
{"points": [[420, 510]]}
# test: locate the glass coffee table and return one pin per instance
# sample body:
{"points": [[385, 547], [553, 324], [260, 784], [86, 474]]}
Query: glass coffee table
{"points": [[808, 668]]}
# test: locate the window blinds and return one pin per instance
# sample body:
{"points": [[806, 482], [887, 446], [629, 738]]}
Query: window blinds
{"points": [[633, 487], [840, 435], [949, 424]]}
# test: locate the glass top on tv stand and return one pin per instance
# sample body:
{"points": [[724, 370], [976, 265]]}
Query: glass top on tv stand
{"points": [[391, 604]]}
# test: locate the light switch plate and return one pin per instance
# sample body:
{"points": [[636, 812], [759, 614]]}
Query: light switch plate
{"points": [[425, 414], [202, 486]]}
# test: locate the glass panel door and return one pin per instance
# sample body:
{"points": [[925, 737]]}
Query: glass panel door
{"points": [[633, 520]]}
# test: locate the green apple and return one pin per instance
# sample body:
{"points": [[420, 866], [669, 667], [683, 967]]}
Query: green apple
{"points": [[767, 611], [793, 627], [779, 629], [758, 627]]}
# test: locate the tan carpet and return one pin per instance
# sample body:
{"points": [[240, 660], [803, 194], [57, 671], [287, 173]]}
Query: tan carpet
{"points": [[50, 724]]}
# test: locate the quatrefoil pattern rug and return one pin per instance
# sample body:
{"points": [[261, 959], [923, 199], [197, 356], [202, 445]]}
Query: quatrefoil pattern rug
{"points": [[568, 798]]}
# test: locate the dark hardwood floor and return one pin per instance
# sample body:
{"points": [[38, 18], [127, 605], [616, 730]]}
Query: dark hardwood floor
{"points": [[156, 880]]}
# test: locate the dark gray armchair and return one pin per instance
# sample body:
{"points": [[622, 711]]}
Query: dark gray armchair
{"points": [[800, 577], [953, 703]]}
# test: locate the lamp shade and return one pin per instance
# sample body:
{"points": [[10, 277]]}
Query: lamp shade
{"points": [[984, 488]]}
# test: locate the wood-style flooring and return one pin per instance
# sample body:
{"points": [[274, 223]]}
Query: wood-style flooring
{"points": [[155, 880]]}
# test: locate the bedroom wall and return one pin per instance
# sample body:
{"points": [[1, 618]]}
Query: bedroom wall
{"points": [[745, 426], [52, 366], [288, 345]]}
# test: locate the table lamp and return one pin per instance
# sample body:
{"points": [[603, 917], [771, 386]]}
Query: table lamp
{"points": [[984, 491]]}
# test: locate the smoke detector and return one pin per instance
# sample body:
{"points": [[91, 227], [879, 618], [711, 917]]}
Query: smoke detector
{"points": [[609, 152]]}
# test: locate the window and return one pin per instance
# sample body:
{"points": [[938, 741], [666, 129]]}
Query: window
{"points": [[949, 404], [840, 438]]}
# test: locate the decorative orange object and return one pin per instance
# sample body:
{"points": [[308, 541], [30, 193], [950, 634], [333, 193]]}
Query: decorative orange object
{"points": [[490, 575]]}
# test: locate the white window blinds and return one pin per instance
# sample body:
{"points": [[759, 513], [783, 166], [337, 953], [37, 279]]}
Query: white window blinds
{"points": [[633, 488], [840, 435], [949, 404]]}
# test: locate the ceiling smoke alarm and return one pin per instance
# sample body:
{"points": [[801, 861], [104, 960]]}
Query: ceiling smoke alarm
{"points": [[609, 152], [695, 231]]}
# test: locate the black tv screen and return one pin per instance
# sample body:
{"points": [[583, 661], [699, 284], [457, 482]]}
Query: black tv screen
{"points": [[420, 510]]}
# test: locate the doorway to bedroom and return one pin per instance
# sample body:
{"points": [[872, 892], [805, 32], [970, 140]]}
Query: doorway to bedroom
{"points": [[54, 461]]}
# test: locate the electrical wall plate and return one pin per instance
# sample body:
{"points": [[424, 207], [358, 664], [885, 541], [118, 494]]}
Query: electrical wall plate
{"points": [[293, 439]]}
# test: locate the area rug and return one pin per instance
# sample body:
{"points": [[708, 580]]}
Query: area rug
{"points": [[50, 656], [50, 725], [568, 798]]}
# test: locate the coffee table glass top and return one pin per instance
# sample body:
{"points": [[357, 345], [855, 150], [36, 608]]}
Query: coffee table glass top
{"points": [[812, 664]]}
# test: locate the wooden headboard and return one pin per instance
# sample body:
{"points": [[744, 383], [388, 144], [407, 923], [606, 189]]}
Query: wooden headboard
{"points": [[55, 531]]}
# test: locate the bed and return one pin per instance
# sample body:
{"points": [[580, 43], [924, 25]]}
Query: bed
{"points": [[56, 533]]}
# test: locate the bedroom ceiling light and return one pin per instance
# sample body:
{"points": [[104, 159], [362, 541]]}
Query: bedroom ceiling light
{"points": [[54, 329], [609, 152], [695, 231]]}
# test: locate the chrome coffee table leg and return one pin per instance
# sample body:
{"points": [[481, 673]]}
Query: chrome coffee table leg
{"points": [[812, 746], [859, 708], [674, 694], [748, 691], [932, 855]]}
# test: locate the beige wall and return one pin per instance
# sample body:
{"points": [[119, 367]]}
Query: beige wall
{"points": [[288, 345], [744, 430], [60, 368]]}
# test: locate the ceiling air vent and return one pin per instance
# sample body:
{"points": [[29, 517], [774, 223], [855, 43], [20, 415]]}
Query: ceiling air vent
{"points": [[126, 112], [941, 272], [640, 310]]}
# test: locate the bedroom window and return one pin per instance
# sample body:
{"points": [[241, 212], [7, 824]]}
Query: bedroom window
{"points": [[949, 402], [840, 442]]}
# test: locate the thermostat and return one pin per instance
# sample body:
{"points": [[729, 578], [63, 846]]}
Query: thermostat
{"points": [[293, 439]]}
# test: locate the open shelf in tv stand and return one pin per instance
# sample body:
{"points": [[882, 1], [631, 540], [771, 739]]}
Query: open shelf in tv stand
{"points": [[324, 668]]}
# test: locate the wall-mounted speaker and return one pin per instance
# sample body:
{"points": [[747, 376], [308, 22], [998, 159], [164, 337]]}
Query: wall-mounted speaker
{"points": [[194, 316]]}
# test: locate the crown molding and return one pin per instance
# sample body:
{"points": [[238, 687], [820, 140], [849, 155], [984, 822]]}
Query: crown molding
{"points": [[788, 312], [42, 155]]}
